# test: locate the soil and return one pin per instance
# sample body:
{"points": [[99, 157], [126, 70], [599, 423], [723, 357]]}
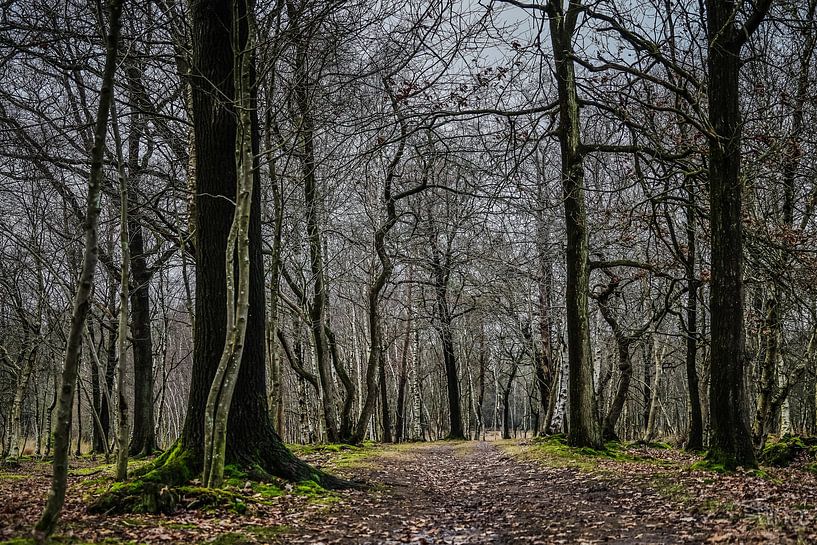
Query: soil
{"points": [[455, 493], [473, 493]]}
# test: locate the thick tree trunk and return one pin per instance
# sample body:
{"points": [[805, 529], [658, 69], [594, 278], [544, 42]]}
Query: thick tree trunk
{"points": [[444, 328], [251, 438], [583, 424], [731, 440], [143, 442]]}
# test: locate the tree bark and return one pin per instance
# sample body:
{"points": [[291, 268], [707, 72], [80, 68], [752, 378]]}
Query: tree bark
{"points": [[583, 425], [251, 438], [440, 273], [82, 298], [731, 440], [695, 435]]}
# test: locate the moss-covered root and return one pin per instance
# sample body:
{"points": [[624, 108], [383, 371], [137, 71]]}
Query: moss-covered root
{"points": [[175, 467], [273, 458], [719, 461], [151, 490], [785, 451], [136, 497], [156, 487]]}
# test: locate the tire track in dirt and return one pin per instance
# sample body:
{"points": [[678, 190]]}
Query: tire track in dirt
{"points": [[473, 493]]}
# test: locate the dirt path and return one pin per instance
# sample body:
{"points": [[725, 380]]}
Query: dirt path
{"points": [[475, 493]]}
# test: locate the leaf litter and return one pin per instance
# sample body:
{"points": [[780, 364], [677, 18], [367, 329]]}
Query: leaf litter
{"points": [[464, 494]]}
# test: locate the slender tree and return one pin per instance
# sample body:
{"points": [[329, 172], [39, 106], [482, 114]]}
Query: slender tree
{"points": [[82, 298]]}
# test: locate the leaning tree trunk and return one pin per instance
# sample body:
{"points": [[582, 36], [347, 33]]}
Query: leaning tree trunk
{"points": [[82, 298]]}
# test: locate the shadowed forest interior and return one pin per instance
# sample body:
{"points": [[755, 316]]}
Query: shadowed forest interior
{"points": [[384, 272]]}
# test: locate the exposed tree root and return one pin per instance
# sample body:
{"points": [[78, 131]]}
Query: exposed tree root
{"points": [[158, 487]]}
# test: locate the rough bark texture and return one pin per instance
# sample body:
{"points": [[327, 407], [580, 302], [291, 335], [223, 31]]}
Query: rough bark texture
{"points": [[441, 270], [143, 442], [731, 440], [695, 435], [583, 425], [251, 438]]}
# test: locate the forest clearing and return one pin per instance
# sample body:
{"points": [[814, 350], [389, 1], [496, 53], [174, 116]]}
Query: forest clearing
{"points": [[505, 491]]}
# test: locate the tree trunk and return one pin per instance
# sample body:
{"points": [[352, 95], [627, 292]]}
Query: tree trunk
{"points": [[731, 440], [402, 379], [123, 416], [82, 298], [695, 435], [251, 438], [384, 400], [583, 425], [143, 442], [444, 328], [506, 405]]}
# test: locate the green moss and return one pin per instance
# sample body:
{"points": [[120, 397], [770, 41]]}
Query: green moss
{"points": [[268, 532], [267, 490], [84, 471], [8, 476], [559, 438], [304, 450], [180, 525], [553, 451], [711, 464], [198, 497], [669, 486], [783, 452], [314, 492], [231, 538], [174, 467], [135, 497]]}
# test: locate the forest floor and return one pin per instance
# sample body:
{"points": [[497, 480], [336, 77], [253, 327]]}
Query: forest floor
{"points": [[516, 491]]}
